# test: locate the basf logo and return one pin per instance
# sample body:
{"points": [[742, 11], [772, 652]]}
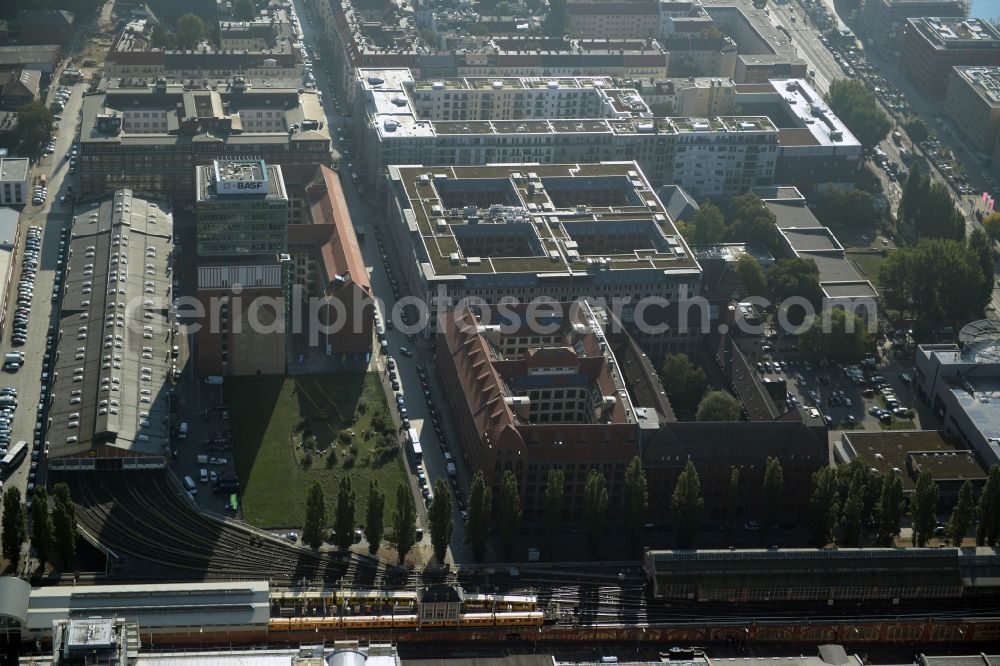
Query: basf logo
{"points": [[241, 186]]}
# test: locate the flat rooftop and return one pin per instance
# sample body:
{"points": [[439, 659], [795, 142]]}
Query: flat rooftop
{"points": [[538, 219], [984, 80], [912, 451], [816, 124], [957, 32], [227, 114], [979, 398], [113, 359], [391, 111], [228, 180], [14, 169]]}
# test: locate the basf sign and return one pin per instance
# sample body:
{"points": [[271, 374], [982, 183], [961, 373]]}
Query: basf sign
{"points": [[242, 186]]}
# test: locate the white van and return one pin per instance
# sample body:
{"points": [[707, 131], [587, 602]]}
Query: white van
{"points": [[189, 485], [182, 430], [203, 475]]}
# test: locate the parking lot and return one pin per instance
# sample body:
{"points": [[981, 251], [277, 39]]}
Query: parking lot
{"points": [[846, 396]]}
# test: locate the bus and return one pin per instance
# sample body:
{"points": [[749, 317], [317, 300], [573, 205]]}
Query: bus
{"points": [[418, 452], [13, 458]]}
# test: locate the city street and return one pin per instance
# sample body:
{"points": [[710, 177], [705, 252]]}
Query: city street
{"points": [[51, 217], [363, 216]]}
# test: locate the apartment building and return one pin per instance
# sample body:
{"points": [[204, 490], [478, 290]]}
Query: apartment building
{"points": [[883, 20], [931, 47], [764, 51], [973, 102], [154, 136], [689, 96], [713, 156], [700, 54], [614, 19], [529, 231], [815, 148], [14, 175], [253, 50]]}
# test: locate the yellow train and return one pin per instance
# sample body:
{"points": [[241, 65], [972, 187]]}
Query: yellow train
{"points": [[405, 621]]}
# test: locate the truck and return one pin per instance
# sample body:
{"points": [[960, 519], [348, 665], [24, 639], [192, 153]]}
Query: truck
{"points": [[202, 459], [452, 472]]}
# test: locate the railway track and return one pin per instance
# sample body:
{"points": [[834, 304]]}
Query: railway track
{"points": [[142, 516]]}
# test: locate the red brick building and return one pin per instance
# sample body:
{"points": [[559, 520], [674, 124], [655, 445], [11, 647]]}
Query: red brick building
{"points": [[527, 401]]}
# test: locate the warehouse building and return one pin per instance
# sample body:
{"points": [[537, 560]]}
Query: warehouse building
{"points": [[110, 396]]}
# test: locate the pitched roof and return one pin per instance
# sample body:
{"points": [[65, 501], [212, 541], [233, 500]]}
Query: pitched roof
{"points": [[45, 18], [340, 251]]}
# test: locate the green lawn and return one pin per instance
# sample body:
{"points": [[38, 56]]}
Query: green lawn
{"points": [[867, 263], [285, 431]]}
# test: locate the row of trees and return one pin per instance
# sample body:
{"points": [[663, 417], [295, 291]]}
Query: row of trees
{"points": [[847, 503], [851, 500], [939, 279], [53, 532]]}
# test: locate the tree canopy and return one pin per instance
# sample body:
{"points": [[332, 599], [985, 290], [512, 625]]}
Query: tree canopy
{"points": [[927, 210], [64, 525], [510, 513], [346, 506], [404, 523], [635, 501], [478, 523], [41, 525], [846, 339], [707, 226], [795, 277], [751, 221], [687, 505], [13, 525], [191, 29], [923, 508], [315, 521], [33, 129], [916, 130], [751, 275], [684, 382], [889, 510], [595, 509], [935, 280], [857, 108], [375, 517], [824, 506], [850, 209], [719, 406], [440, 519]]}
